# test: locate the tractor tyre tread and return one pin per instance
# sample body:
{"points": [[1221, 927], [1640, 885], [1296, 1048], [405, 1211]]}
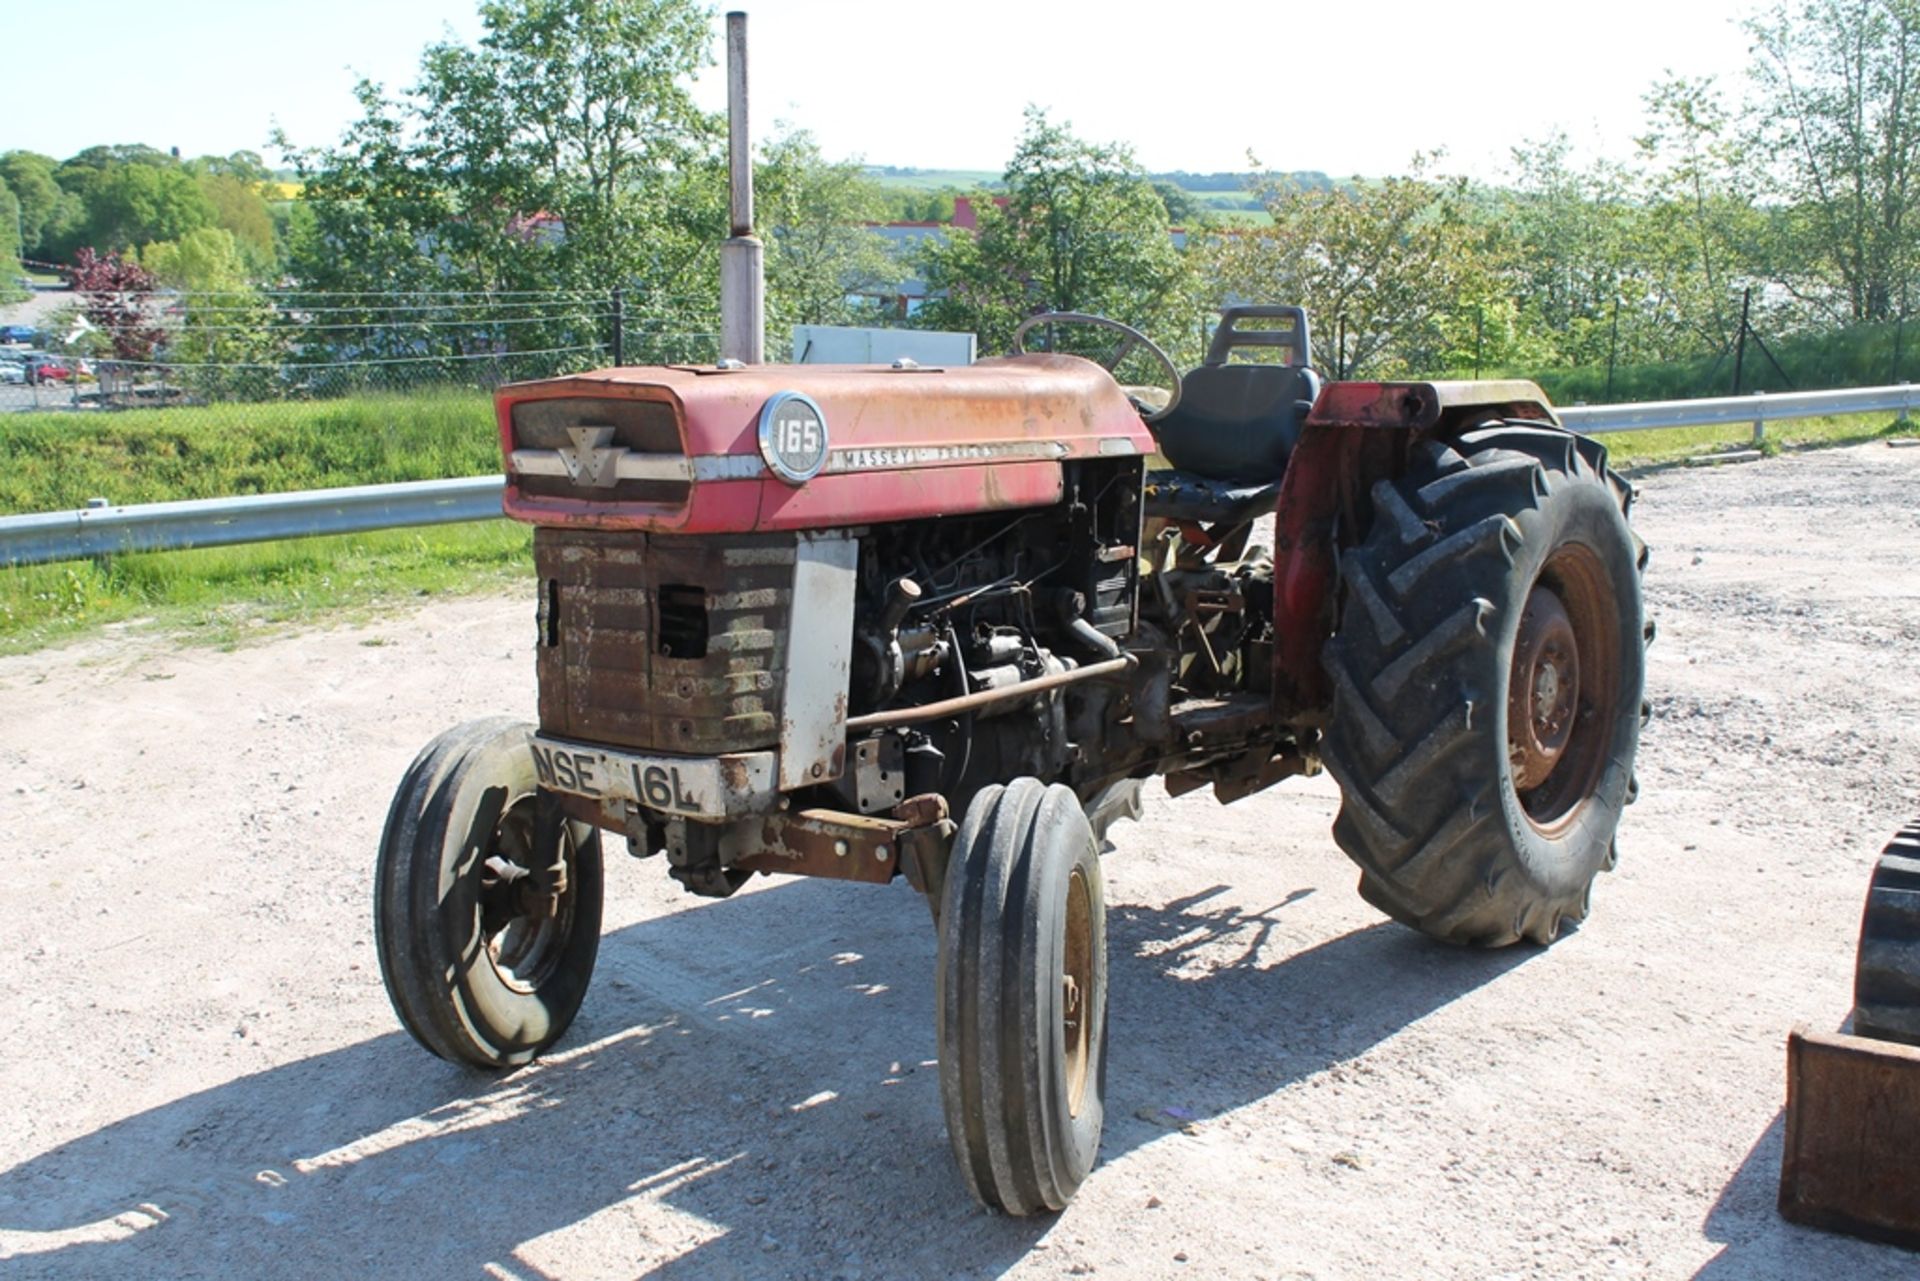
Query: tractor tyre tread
{"points": [[1886, 983], [1416, 732]]}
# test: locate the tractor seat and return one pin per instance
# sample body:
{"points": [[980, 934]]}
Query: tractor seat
{"points": [[1237, 422]]}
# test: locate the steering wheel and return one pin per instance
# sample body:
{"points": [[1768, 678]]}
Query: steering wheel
{"points": [[1130, 338]]}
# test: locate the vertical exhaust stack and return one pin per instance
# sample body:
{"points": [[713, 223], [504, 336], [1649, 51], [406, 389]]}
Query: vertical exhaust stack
{"points": [[743, 305]]}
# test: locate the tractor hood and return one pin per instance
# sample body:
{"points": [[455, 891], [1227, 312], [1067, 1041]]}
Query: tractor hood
{"points": [[772, 447]]}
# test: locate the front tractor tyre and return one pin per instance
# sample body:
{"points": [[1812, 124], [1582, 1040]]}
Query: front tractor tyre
{"points": [[1488, 673], [486, 901], [1021, 993]]}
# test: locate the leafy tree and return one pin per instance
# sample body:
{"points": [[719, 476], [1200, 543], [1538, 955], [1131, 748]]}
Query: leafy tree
{"points": [[229, 330], [234, 188], [1083, 230], [1702, 233], [1563, 240], [116, 296], [819, 250], [46, 211], [9, 244], [1840, 113], [136, 204], [563, 150], [1387, 270]]}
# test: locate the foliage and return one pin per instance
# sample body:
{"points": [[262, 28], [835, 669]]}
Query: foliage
{"points": [[1840, 113], [46, 211], [229, 332], [130, 205], [1391, 271], [1083, 230], [820, 252], [115, 296], [561, 150], [9, 244]]}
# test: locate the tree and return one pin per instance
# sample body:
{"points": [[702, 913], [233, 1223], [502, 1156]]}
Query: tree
{"points": [[820, 252], [1703, 237], [116, 296], [1083, 230], [1561, 238], [136, 204], [46, 211], [235, 189], [229, 331], [1840, 112], [9, 243], [562, 151], [1389, 270]]}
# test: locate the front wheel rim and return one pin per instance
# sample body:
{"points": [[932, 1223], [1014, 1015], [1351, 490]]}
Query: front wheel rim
{"points": [[526, 902], [1076, 995]]}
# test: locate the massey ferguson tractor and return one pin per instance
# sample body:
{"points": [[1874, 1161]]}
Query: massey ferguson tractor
{"points": [[941, 624]]}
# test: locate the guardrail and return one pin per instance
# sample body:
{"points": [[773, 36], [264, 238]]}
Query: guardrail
{"points": [[1759, 409], [103, 530]]}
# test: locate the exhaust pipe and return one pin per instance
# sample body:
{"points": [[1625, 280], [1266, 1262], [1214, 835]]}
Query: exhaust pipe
{"points": [[743, 290]]}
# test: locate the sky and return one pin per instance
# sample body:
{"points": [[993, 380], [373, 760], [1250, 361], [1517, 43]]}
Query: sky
{"points": [[1355, 87]]}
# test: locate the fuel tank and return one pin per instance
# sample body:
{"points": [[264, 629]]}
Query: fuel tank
{"points": [[693, 449]]}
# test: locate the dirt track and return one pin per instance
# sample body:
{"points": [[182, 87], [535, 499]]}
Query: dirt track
{"points": [[203, 1077]]}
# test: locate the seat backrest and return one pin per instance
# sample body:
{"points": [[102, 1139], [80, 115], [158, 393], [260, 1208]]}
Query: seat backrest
{"points": [[1237, 422]]}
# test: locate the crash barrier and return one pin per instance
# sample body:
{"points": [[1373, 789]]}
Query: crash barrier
{"points": [[101, 529]]}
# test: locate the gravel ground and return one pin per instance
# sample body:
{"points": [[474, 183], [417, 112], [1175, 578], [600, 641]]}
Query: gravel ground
{"points": [[206, 1079]]}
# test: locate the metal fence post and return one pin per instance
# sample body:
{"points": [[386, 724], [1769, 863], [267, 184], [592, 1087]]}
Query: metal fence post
{"points": [[619, 326], [1759, 419]]}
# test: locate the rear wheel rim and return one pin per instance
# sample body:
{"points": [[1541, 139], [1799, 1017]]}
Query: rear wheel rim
{"points": [[1563, 689]]}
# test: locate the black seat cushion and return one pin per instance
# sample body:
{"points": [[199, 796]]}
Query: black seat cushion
{"points": [[1237, 422]]}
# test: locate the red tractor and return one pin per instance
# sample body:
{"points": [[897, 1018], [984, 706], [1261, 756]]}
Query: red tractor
{"points": [[874, 622]]}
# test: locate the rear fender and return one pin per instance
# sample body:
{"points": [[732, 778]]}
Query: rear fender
{"points": [[1357, 435]]}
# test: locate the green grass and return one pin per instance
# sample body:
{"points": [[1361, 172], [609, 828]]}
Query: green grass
{"points": [[936, 179], [224, 596], [1653, 448], [55, 461], [50, 462]]}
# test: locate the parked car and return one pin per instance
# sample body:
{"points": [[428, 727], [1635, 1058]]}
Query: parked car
{"points": [[12, 371], [19, 334], [44, 368]]}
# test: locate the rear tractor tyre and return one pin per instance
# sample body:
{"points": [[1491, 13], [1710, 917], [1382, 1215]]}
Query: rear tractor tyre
{"points": [[1886, 978], [486, 901], [1021, 993], [1488, 673]]}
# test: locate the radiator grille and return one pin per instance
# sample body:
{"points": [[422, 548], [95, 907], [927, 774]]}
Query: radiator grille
{"points": [[643, 426], [663, 643]]}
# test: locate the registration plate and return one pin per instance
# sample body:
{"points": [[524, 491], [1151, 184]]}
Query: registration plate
{"points": [[697, 786]]}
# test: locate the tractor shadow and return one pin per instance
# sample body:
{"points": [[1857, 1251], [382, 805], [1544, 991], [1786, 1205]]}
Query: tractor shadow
{"points": [[765, 1108], [1757, 1244]]}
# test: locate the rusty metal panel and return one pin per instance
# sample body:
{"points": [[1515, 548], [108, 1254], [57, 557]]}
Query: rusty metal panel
{"points": [[826, 843], [819, 655], [661, 643], [1421, 405], [905, 443], [1852, 1127]]}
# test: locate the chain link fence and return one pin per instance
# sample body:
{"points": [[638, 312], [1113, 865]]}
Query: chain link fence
{"points": [[227, 351]]}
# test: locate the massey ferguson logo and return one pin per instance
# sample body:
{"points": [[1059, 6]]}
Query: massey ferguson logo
{"points": [[592, 459]]}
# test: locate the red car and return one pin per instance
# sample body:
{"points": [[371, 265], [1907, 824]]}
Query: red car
{"points": [[42, 368]]}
